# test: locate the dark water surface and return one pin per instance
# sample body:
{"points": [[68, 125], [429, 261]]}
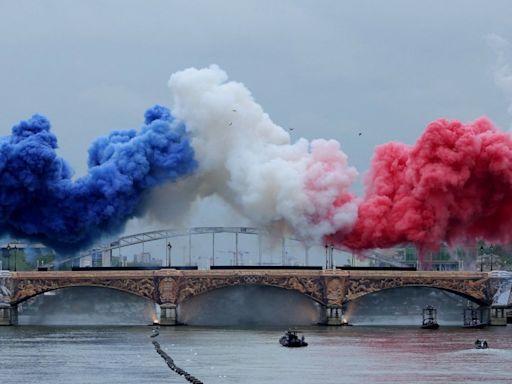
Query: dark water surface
{"points": [[94, 355]]}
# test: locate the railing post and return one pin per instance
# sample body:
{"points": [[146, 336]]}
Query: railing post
{"points": [[260, 255], [236, 248], [189, 247], [213, 249], [283, 251]]}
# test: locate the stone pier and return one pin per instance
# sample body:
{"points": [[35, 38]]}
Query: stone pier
{"points": [[497, 315], [168, 314], [502, 300], [8, 314], [333, 315]]}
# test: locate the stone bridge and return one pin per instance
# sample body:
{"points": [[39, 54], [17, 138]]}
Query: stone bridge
{"points": [[170, 287]]}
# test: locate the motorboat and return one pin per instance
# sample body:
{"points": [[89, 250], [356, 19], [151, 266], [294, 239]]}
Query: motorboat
{"points": [[472, 317], [481, 344], [345, 323], [155, 332], [474, 324], [429, 318], [291, 340], [430, 325]]}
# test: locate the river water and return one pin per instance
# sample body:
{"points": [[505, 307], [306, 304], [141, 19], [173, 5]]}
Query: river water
{"points": [[358, 354]]}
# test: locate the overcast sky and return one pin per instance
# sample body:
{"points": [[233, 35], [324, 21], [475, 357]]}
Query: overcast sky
{"points": [[330, 69]]}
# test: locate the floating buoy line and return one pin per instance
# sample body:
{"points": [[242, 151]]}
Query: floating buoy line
{"points": [[174, 367]]}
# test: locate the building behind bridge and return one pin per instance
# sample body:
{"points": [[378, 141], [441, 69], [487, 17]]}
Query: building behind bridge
{"points": [[24, 256]]}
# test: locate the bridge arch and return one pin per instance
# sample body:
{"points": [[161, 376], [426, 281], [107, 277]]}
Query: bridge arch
{"points": [[178, 290], [478, 290], [248, 285], [87, 305], [28, 288], [462, 295], [404, 306], [250, 305]]}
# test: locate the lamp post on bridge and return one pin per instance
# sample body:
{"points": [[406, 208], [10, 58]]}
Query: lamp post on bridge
{"points": [[481, 258], [169, 249], [329, 256], [491, 252], [489, 255], [9, 247]]}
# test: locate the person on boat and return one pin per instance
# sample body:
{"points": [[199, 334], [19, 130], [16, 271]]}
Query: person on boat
{"points": [[481, 344]]}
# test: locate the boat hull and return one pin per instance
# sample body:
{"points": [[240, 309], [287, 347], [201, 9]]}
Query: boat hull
{"points": [[477, 326], [293, 343]]}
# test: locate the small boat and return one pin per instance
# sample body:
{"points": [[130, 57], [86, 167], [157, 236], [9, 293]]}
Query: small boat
{"points": [[474, 324], [472, 317], [430, 325], [155, 332], [481, 344], [291, 340], [429, 318], [345, 323]]}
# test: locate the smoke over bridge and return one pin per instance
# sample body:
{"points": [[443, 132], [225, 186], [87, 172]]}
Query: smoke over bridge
{"points": [[454, 184], [40, 200]]}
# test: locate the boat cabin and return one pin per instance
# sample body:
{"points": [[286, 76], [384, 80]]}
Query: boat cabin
{"points": [[429, 318]]}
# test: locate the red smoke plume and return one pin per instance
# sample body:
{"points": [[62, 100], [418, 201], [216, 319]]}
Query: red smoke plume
{"points": [[453, 185]]}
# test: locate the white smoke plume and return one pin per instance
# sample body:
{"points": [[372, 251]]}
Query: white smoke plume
{"points": [[247, 160]]}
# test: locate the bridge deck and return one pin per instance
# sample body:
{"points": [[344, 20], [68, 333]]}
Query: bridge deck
{"points": [[241, 272]]}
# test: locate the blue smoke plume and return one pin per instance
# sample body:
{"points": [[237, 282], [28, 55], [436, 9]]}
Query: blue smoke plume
{"points": [[40, 201]]}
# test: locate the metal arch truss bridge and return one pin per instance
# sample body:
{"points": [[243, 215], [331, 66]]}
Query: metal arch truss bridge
{"points": [[168, 234], [161, 234]]}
